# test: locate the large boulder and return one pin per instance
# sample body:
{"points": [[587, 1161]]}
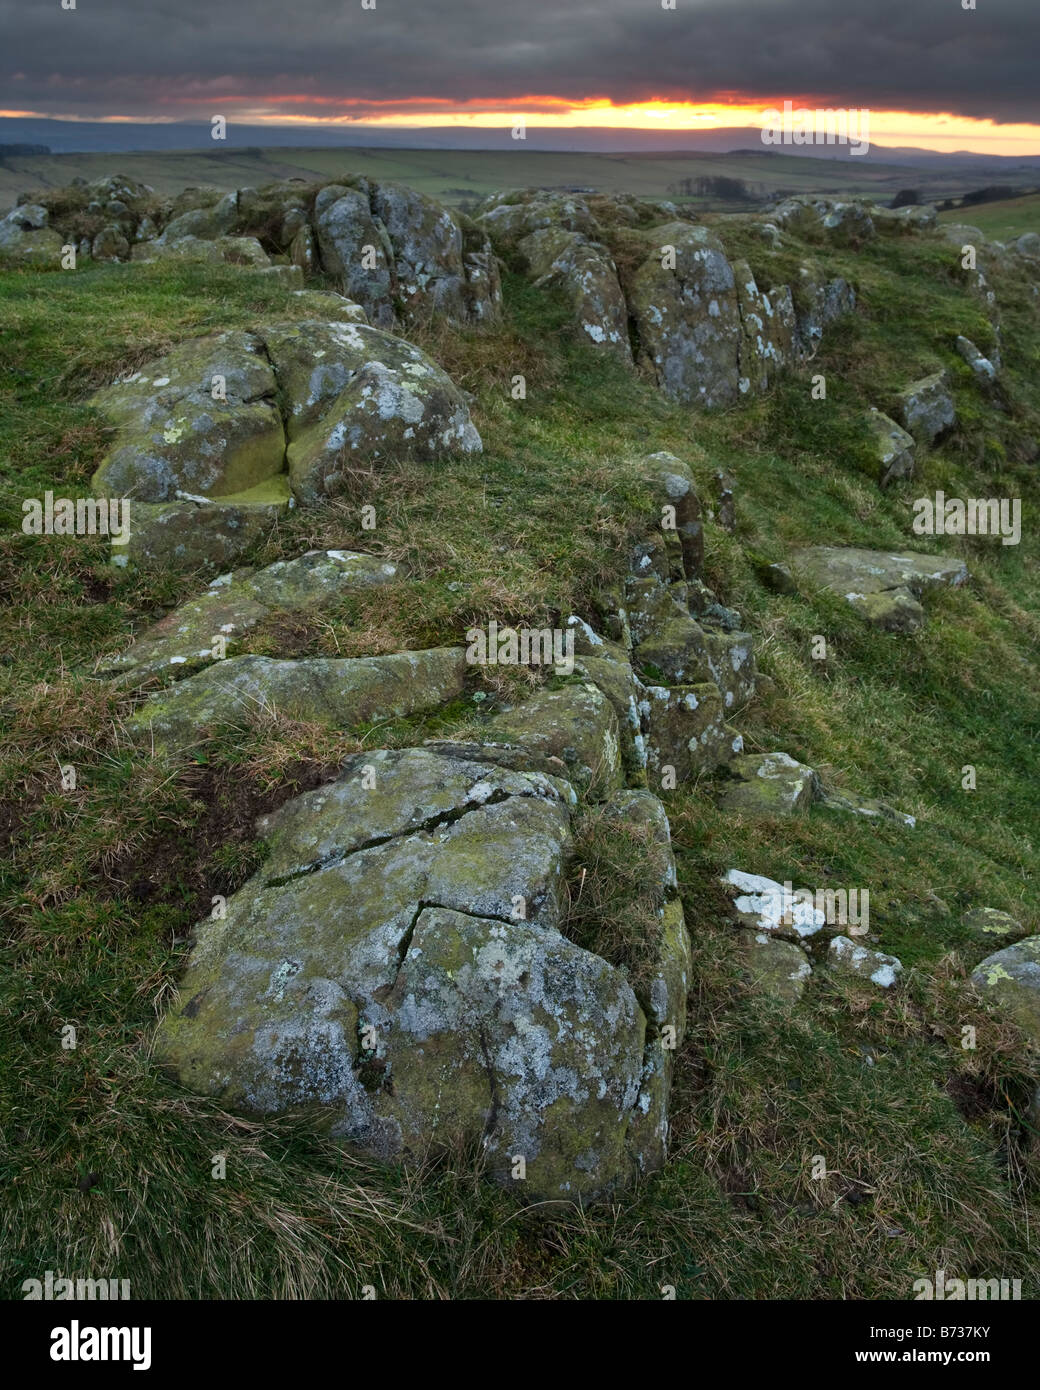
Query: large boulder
{"points": [[820, 301], [404, 256], [583, 272], [203, 427], [26, 239], [397, 967], [769, 331], [201, 420], [356, 394], [687, 316]]}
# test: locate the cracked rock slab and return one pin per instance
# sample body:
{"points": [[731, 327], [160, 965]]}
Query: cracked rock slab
{"points": [[396, 968], [338, 693], [572, 733]]}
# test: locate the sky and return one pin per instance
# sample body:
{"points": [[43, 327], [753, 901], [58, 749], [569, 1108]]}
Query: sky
{"points": [[931, 73]]}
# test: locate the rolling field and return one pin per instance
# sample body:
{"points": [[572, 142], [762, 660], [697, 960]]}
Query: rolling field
{"points": [[457, 175], [1002, 221]]}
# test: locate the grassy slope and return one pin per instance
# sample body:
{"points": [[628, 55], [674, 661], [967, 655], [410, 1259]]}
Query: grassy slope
{"points": [[106, 1165], [455, 174], [1001, 221]]}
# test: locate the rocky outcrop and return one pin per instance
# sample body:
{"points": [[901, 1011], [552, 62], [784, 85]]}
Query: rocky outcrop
{"points": [[399, 966], [825, 219], [403, 256], [885, 588], [245, 424], [583, 273], [650, 286]]}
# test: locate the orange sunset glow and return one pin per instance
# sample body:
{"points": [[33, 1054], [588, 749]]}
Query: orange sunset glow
{"points": [[942, 131]]}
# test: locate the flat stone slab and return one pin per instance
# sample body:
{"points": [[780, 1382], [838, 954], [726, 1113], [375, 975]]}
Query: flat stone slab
{"points": [[885, 587], [572, 732], [869, 807], [187, 639], [339, 693], [778, 969]]}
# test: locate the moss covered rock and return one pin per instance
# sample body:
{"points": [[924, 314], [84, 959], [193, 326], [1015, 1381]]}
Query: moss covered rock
{"points": [[357, 395], [338, 693], [189, 638], [769, 784], [395, 968], [202, 420], [1010, 979]]}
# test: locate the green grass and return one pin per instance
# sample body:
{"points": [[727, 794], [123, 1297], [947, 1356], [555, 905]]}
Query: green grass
{"points": [[106, 1165], [1001, 221], [457, 175]]}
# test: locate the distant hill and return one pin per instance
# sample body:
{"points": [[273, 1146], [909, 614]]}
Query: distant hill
{"points": [[459, 175]]}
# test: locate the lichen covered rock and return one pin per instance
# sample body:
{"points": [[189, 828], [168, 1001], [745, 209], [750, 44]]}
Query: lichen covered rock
{"points": [[195, 633], [203, 420], [396, 966], [339, 693], [769, 784], [1010, 979]]}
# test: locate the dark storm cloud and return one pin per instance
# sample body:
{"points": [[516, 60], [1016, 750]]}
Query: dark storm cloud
{"points": [[190, 58]]}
